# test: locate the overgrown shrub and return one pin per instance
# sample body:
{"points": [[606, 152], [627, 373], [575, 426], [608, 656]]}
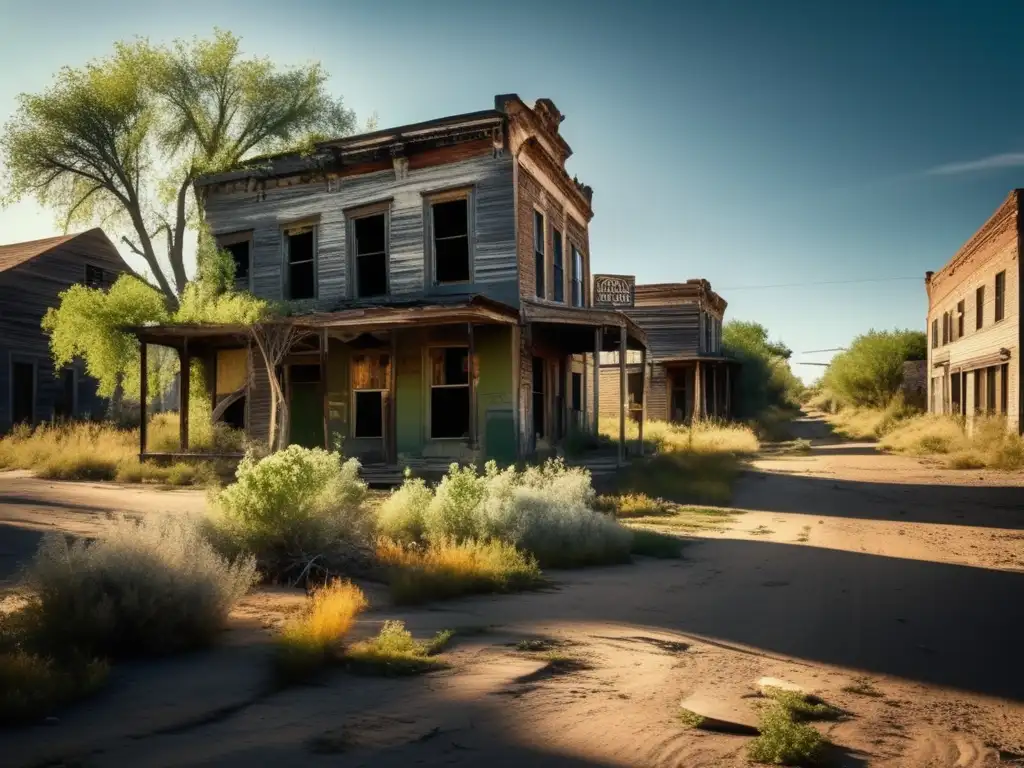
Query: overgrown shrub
{"points": [[546, 510], [143, 587], [309, 642], [764, 377], [401, 515], [870, 371], [291, 507], [448, 569], [394, 651], [782, 741]]}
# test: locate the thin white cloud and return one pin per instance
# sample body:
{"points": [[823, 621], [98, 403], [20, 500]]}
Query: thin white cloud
{"points": [[1007, 160]]}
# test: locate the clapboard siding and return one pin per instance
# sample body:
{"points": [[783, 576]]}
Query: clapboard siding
{"points": [[657, 393], [492, 219], [672, 331], [26, 292]]}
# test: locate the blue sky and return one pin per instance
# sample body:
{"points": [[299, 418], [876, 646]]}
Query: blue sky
{"points": [[756, 144]]}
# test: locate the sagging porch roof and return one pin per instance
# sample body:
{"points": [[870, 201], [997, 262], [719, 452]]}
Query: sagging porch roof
{"points": [[382, 317]]}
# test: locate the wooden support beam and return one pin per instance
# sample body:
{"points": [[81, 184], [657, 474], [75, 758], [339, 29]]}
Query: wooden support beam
{"points": [[623, 405], [143, 396], [471, 364], [583, 395], [698, 394], [643, 396], [728, 393], [597, 380], [185, 364], [323, 388], [392, 430], [714, 390]]}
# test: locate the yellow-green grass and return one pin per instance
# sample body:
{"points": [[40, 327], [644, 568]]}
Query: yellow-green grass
{"points": [[33, 687], [395, 652], [447, 569], [987, 443], [688, 517], [707, 436], [314, 640]]}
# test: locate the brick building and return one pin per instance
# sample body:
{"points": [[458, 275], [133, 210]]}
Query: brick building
{"points": [[974, 330]]}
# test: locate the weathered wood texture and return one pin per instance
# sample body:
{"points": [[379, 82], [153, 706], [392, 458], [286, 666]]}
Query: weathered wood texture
{"points": [[674, 314], [27, 290], [325, 202], [994, 248]]}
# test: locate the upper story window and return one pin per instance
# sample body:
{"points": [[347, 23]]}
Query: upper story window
{"points": [[539, 262], [239, 247], [93, 276], [945, 327], [577, 277], [935, 333], [960, 318], [558, 268], [449, 219], [370, 245], [300, 244], [1000, 296], [979, 307]]}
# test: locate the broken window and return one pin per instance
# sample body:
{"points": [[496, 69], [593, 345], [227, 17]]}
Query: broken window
{"points": [[959, 319], [449, 392], [93, 276], [240, 256], [577, 277], [558, 268], [371, 259], [1000, 296], [451, 241], [979, 307], [634, 388], [538, 397], [539, 265], [369, 383], [300, 244]]}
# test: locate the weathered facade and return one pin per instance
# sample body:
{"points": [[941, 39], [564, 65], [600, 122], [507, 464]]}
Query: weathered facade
{"points": [[686, 375], [974, 329], [32, 275], [439, 274]]}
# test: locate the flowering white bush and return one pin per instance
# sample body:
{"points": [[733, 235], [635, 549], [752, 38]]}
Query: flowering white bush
{"points": [[291, 506], [545, 510], [153, 586]]}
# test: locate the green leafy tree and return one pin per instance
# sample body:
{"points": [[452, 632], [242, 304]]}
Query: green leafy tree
{"points": [[870, 371], [765, 378], [122, 140]]}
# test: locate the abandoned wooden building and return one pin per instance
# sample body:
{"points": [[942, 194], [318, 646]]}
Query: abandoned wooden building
{"points": [[974, 329], [686, 375], [32, 276], [439, 281]]}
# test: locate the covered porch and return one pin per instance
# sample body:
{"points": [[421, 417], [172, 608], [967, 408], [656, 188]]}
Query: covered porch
{"points": [[698, 387]]}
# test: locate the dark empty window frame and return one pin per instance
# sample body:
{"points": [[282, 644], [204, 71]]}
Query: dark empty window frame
{"points": [[449, 393], [539, 262], [450, 242], [300, 244], [558, 268], [979, 307], [370, 373], [369, 233], [1000, 296], [93, 276], [239, 246], [960, 311]]}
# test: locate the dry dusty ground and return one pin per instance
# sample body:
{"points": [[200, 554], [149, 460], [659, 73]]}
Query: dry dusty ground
{"points": [[849, 566]]}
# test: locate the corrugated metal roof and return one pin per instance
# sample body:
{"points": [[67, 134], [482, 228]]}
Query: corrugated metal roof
{"points": [[16, 254]]}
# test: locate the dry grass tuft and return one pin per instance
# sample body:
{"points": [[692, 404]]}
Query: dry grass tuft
{"points": [[707, 436], [33, 687], [447, 569], [310, 642], [988, 444], [631, 505]]}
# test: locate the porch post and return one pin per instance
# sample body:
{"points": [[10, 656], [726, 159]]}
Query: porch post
{"points": [[597, 381], [471, 364], [143, 396], [714, 389], [567, 396], [698, 405], [185, 363], [728, 393], [622, 395], [643, 396], [323, 388], [583, 393], [392, 433]]}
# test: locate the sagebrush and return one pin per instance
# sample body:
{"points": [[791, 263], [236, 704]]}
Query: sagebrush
{"points": [[142, 587], [394, 651]]}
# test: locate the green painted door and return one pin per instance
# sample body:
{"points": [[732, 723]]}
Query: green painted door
{"points": [[307, 406]]}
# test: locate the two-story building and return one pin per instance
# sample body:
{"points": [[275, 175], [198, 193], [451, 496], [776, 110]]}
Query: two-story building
{"points": [[32, 276], [686, 375], [974, 329], [439, 274]]}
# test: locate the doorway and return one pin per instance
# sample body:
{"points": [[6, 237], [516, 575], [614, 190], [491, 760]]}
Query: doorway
{"points": [[306, 405], [23, 392]]}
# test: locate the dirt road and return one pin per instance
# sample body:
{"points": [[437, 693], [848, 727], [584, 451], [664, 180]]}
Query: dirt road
{"points": [[890, 587]]}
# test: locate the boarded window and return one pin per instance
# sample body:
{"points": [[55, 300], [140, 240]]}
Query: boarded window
{"points": [[93, 276], [1000, 296], [577, 277], [451, 241], [371, 256], [301, 246], [538, 397], [557, 267], [979, 307], [577, 392], [449, 392], [960, 319], [539, 262], [240, 256]]}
